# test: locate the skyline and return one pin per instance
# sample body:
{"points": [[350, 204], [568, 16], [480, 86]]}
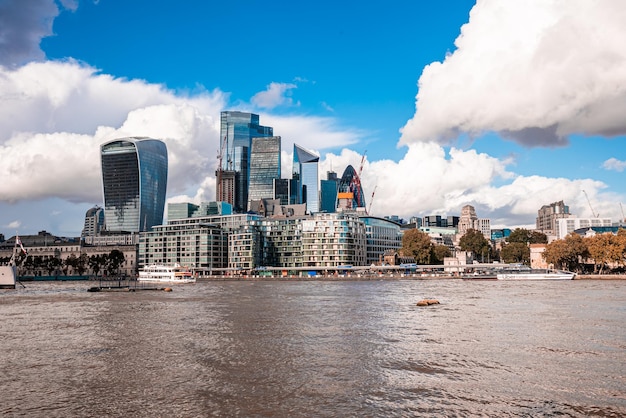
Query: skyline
{"points": [[503, 106]]}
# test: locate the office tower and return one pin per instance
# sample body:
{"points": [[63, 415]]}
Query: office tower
{"points": [[264, 167], [134, 178], [94, 222], [328, 192], [350, 194], [305, 173], [285, 191], [548, 214], [236, 132]]}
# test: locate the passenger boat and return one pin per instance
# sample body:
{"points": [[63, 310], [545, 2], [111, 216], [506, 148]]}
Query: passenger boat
{"points": [[526, 273], [166, 274]]}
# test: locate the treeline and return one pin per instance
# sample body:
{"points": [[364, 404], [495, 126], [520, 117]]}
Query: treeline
{"points": [[574, 253], [29, 265]]}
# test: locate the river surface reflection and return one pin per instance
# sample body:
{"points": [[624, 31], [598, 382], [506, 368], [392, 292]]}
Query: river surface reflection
{"points": [[314, 348]]}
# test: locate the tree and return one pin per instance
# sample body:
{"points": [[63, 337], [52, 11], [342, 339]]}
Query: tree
{"points": [[566, 253], [81, 264], [604, 249], [526, 236], [515, 252], [475, 242], [114, 261], [416, 244], [438, 253], [96, 262]]}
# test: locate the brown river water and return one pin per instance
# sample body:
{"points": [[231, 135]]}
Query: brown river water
{"points": [[315, 349]]}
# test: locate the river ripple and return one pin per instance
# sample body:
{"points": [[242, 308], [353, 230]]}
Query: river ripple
{"points": [[315, 348]]}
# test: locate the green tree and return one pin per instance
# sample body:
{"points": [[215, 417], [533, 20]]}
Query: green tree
{"points": [[527, 236], [416, 244], [438, 253], [475, 242], [515, 252]]}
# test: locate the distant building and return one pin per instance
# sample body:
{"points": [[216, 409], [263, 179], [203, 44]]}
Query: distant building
{"points": [[328, 192], [94, 222], [469, 220], [381, 235], [189, 210], [305, 172], [134, 178], [547, 217], [350, 194], [566, 225], [264, 167], [237, 130]]}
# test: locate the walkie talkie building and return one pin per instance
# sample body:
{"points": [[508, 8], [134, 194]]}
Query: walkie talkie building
{"points": [[134, 178]]}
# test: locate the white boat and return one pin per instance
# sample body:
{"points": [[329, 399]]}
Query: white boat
{"points": [[7, 277], [166, 274], [521, 273]]}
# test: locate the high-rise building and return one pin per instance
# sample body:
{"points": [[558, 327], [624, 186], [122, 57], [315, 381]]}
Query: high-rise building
{"points": [[469, 220], [328, 192], [305, 172], [94, 222], [350, 194], [236, 132], [264, 167], [134, 178], [548, 214]]}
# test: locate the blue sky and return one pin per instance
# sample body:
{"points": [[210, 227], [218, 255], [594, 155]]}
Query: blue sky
{"points": [[500, 104]]}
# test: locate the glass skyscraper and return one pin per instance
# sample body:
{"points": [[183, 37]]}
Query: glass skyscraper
{"points": [[328, 193], [305, 172], [134, 179], [264, 167], [238, 129]]}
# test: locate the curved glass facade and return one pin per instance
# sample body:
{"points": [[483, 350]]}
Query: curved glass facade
{"points": [[134, 178], [348, 184]]}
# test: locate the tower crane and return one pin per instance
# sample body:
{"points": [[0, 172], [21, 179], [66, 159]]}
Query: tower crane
{"points": [[369, 210], [219, 191], [595, 215], [356, 184]]}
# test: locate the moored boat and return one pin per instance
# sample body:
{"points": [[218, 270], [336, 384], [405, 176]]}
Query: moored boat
{"points": [[166, 274], [534, 274], [7, 277]]}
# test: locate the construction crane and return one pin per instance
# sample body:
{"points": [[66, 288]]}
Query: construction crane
{"points": [[590, 207], [355, 185], [220, 169], [369, 210]]}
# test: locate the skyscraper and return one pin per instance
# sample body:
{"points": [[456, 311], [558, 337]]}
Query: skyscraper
{"points": [[134, 178], [328, 189], [305, 172], [264, 167], [236, 132], [350, 190]]}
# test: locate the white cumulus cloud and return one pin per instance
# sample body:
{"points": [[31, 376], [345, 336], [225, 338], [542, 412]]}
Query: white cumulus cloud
{"points": [[534, 71], [614, 164]]}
